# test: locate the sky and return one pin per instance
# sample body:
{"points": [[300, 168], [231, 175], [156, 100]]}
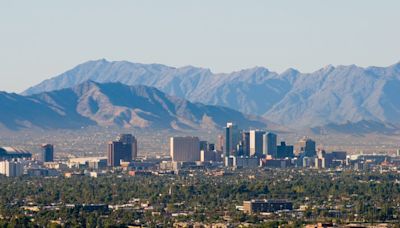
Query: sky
{"points": [[44, 38]]}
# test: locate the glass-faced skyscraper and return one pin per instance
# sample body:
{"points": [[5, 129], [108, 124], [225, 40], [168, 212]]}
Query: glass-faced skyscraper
{"points": [[232, 139], [284, 151], [47, 152], [123, 148], [307, 147], [270, 144], [246, 143], [131, 143], [256, 143], [115, 153]]}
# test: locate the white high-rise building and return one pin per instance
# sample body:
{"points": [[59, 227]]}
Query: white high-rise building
{"points": [[185, 149], [256, 143], [11, 168]]}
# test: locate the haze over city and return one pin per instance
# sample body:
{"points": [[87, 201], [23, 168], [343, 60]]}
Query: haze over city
{"points": [[206, 114]]}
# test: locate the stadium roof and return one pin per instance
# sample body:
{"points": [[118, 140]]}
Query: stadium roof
{"points": [[14, 152]]}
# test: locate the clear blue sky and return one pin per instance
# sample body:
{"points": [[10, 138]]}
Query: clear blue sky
{"points": [[40, 39]]}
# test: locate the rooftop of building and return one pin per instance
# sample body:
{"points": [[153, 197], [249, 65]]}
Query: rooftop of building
{"points": [[83, 160], [13, 150], [268, 201]]}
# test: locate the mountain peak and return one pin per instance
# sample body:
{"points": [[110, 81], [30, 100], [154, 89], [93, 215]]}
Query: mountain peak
{"points": [[328, 67], [291, 71], [102, 60], [94, 62], [396, 66]]}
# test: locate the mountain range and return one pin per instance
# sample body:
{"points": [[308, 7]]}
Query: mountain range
{"points": [[331, 96], [114, 104]]}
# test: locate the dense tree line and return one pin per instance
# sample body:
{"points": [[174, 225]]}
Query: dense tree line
{"points": [[355, 196]]}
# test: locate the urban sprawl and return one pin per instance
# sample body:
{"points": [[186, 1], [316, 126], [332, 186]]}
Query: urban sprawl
{"points": [[245, 178]]}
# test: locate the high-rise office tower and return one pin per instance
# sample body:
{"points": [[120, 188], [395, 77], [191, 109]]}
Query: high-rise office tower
{"points": [[47, 152], [232, 138], [220, 143], [284, 151], [206, 156], [185, 149], [256, 143], [246, 143], [307, 147], [239, 149], [115, 153], [130, 143], [203, 145], [123, 148], [211, 146], [270, 144]]}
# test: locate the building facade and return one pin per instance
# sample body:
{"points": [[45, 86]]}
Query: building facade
{"points": [[285, 151], [257, 206], [307, 147], [11, 168], [256, 143], [270, 144], [47, 152], [185, 149], [130, 142], [232, 139], [123, 148], [245, 143]]}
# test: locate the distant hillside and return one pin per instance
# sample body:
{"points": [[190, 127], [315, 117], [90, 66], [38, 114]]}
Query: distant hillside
{"points": [[114, 104], [357, 128], [245, 90], [331, 95]]}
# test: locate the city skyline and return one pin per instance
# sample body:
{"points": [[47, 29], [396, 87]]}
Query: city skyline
{"points": [[200, 114]]}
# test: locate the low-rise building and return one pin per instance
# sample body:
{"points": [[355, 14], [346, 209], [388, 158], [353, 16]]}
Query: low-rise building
{"points": [[242, 162], [87, 162], [170, 166], [264, 205], [276, 163], [11, 168]]}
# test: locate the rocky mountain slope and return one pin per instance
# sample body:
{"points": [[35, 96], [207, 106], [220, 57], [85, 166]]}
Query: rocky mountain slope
{"points": [[331, 95], [114, 104]]}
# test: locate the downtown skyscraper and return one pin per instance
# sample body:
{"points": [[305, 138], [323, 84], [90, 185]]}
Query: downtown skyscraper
{"points": [[256, 143], [123, 148], [270, 144], [47, 152], [232, 139]]}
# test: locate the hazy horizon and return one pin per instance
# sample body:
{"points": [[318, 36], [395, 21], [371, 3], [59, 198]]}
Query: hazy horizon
{"points": [[44, 39]]}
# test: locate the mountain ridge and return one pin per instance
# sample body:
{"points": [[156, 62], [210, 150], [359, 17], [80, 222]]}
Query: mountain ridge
{"points": [[115, 104], [330, 95]]}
